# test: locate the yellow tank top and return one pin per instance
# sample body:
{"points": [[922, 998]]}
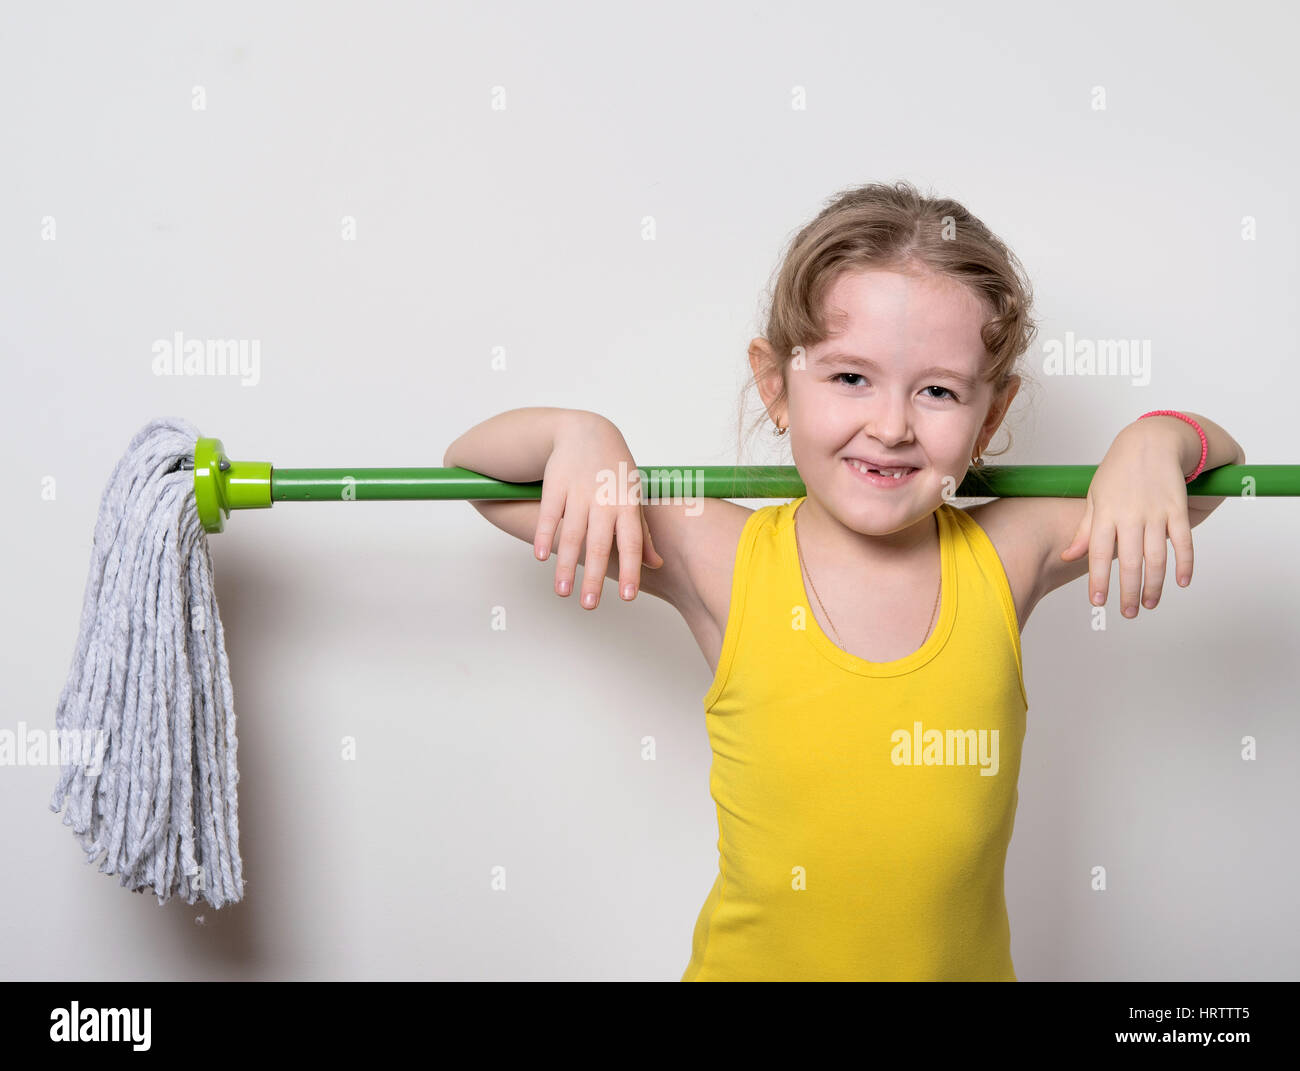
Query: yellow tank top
{"points": [[864, 808]]}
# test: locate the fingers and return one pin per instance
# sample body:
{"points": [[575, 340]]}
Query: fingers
{"points": [[598, 526], [1141, 549], [1079, 543], [571, 533], [1144, 550], [630, 532], [1154, 551], [1101, 551], [646, 553], [1130, 568], [1180, 535], [600, 538], [652, 557], [548, 517], [632, 536]]}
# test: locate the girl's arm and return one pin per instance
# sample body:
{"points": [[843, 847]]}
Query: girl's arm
{"points": [[1136, 504], [566, 449], [513, 446], [574, 453], [1221, 449]]}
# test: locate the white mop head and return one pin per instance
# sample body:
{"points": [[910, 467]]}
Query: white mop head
{"points": [[150, 685]]}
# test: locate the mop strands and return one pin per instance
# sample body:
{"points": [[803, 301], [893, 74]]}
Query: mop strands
{"points": [[150, 682]]}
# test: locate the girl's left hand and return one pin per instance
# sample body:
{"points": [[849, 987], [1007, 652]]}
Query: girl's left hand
{"points": [[1138, 498]]}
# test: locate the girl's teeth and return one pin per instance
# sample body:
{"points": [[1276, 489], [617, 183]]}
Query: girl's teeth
{"points": [[897, 474]]}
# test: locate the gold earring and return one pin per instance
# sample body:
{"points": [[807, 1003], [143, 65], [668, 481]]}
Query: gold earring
{"points": [[780, 430]]}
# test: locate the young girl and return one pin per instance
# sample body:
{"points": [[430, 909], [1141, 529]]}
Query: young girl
{"points": [[868, 706]]}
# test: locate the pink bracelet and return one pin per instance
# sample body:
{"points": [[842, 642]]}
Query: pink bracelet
{"points": [[1183, 416]]}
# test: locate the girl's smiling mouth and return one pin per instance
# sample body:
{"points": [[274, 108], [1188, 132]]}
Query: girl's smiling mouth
{"points": [[876, 477]]}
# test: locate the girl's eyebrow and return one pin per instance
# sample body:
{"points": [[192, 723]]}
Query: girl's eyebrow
{"points": [[934, 370]]}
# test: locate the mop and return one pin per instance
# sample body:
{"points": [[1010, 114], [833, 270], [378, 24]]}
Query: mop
{"points": [[150, 684], [150, 678]]}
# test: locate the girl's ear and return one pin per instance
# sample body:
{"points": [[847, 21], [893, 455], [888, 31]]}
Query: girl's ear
{"points": [[767, 375], [1013, 388], [997, 410]]}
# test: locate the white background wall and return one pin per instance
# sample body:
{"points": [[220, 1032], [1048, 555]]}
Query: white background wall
{"points": [[521, 228]]}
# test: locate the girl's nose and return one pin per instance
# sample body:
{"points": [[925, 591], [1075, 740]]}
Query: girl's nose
{"points": [[889, 421]]}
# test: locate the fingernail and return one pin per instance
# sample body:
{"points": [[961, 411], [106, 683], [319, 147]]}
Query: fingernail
{"points": [[1130, 611], [589, 600], [564, 587], [628, 591], [1097, 598], [1149, 603]]}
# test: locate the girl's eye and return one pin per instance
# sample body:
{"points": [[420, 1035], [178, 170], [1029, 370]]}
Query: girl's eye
{"points": [[851, 375], [841, 377]]}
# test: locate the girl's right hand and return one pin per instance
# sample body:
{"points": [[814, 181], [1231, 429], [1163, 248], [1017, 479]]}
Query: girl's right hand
{"points": [[584, 463]]}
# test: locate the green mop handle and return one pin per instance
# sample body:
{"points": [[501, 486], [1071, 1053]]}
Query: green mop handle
{"points": [[221, 485]]}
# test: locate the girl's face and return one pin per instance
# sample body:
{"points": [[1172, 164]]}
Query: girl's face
{"points": [[898, 384]]}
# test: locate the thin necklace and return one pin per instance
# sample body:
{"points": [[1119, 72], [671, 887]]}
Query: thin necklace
{"points": [[823, 605]]}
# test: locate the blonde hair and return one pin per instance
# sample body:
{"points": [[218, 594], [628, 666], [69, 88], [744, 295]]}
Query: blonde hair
{"points": [[894, 228]]}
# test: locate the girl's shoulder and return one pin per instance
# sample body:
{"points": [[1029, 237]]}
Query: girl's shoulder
{"points": [[1022, 531], [698, 543]]}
